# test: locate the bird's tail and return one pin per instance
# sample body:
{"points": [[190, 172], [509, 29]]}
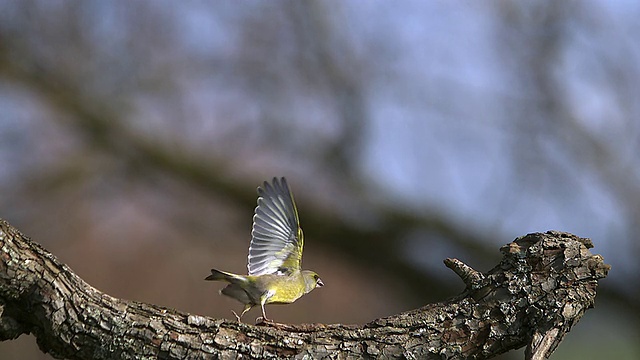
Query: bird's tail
{"points": [[217, 275]]}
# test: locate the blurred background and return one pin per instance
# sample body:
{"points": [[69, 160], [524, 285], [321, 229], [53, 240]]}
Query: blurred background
{"points": [[133, 136]]}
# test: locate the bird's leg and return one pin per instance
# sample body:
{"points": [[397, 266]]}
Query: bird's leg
{"points": [[263, 319], [247, 307], [263, 300], [264, 314], [237, 317]]}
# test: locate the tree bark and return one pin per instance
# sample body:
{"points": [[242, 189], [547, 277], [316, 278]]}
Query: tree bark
{"points": [[538, 291]]}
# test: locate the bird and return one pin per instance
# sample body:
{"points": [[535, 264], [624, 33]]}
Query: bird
{"points": [[275, 274]]}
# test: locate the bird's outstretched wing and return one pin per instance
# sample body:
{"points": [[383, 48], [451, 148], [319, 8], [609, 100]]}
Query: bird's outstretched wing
{"points": [[276, 237]]}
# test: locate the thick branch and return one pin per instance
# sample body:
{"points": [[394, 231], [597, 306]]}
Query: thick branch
{"points": [[540, 289]]}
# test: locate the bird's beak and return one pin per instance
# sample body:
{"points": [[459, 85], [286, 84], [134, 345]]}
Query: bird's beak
{"points": [[319, 283]]}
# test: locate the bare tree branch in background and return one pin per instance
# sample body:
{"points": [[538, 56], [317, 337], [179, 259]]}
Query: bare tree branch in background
{"points": [[379, 248], [341, 72]]}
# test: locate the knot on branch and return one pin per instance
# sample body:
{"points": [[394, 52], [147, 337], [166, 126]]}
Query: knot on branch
{"points": [[544, 282], [474, 279]]}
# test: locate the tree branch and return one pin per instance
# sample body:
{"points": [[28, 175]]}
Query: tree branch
{"points": [[532, 298]]}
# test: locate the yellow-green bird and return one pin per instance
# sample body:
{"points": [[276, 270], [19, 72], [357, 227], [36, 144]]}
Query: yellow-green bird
{"points": [[275, 254]]}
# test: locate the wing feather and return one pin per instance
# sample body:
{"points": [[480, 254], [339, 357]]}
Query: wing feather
{"points": [[276, 237]]}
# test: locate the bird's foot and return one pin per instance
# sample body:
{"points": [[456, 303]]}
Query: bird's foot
{"points": [[263, 320]]}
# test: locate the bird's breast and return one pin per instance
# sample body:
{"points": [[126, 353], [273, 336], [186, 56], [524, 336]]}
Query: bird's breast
{"points": [[285, 289]]}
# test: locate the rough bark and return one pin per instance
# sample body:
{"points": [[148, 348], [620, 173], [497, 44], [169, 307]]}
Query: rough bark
{"points": [[538, 291]]}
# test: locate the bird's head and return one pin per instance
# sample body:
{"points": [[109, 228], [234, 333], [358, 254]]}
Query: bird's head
{"points": [[311, 280]]}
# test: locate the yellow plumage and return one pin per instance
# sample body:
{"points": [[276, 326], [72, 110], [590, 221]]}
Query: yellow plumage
{"points": [[275, 254]]}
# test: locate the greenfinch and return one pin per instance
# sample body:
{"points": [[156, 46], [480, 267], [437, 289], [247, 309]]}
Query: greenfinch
{"points": [[275, 255]]}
